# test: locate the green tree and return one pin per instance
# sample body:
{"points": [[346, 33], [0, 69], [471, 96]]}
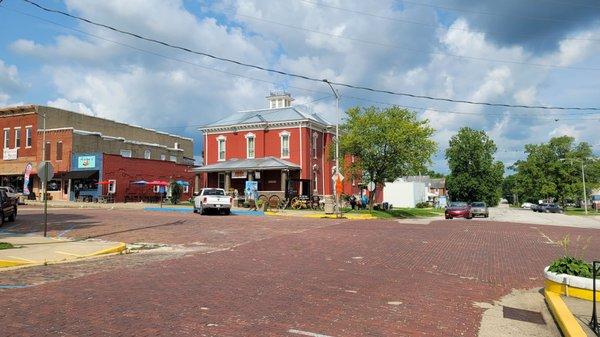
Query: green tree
{"points": [[553, 171], [474, 175], [387, 144], [176, 192]]}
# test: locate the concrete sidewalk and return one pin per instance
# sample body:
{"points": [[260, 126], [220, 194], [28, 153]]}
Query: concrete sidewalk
{"points": [[31, 250]]}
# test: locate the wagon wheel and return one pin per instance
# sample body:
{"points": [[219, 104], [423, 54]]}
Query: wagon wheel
{"points": [[274, 201], [296, 203], [263, 198]]}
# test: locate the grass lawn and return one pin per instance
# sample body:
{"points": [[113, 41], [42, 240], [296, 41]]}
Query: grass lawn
{"points": [[581, 211], [6, 245], [402, 213]]}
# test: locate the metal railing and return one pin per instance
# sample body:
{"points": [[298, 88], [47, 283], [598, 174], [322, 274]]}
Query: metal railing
{"points": [[594, 321]]}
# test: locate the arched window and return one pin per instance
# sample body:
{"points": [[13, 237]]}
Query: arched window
{"points": [[285, 144], [221, 147], [250, 145]]}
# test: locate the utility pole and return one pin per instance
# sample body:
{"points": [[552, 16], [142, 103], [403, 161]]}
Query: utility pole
{"points": [[45, 181], [584, 193], [338, 210]]}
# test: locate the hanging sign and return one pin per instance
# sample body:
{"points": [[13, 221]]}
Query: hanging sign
{"points": [[239, 174]]}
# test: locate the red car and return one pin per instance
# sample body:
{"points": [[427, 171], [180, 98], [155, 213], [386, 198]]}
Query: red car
{"points": [[458, 209]]}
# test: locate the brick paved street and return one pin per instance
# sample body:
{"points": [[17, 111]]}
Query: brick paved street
{"points": [[262, 276]]}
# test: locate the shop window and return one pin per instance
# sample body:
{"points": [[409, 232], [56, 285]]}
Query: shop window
{"points": [[285, 144], [221, 180], [126, 153], [54, 185], [163, 157], [28, 136], [186, 188], [221, 148], [59, 151], [6, 138], [48, 151], [112, 186], [250, 146], [173, 159], [147, 154], [18, 138]]}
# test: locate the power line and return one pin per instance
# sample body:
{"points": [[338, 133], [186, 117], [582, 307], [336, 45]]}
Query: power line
{"points": [[308, 78], [414, 50], [566, 113], [434, 26]]}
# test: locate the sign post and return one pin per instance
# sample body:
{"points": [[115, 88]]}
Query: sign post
{"points": [[45, 172]]}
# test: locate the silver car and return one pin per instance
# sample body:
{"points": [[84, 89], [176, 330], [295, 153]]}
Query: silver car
{"points": [[479, 209]]}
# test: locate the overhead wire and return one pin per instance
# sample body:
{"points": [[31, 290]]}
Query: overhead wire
{"points": [[425, 24], [304, 77]]}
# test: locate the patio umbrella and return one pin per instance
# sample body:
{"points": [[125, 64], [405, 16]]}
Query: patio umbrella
{"points": [[158, 182], [103, 182], [182, 183], [140, 182]]}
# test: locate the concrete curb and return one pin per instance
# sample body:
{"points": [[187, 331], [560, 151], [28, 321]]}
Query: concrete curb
{"points": [[323, 216], [569, 285], [566, 321], [120, 247]]}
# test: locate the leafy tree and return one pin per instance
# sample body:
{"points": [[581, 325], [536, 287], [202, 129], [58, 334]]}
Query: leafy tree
{"points": [[553, 171], [387, 144], [474, 175], [176, 192]]}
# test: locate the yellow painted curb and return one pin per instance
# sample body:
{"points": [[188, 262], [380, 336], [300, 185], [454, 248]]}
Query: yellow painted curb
{"points": [[567, 322], [116, 249], [325, 216], [564, 289], [12, 263]]}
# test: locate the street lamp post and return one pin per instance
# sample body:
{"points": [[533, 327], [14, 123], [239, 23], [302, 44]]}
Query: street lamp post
{"points": [[337, 145], [45, 181], [582, 179]]}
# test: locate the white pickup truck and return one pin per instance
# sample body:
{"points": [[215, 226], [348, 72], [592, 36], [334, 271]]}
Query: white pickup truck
{"points": [[212, 199]]}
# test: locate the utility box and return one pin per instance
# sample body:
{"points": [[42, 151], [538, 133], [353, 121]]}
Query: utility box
{"points": [[329, 205]]}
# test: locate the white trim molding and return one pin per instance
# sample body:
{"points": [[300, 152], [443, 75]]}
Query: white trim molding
{"points": [[249, 136], [281, 135], [219, 139]]}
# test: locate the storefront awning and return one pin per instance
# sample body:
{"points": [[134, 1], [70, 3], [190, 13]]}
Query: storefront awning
{"points": [[257, 164], [80, 174]]}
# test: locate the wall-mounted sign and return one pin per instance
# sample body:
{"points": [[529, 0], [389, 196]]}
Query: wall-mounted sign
{"points": [[257, 175], [238, 174], [9, 154], [84, 162]]}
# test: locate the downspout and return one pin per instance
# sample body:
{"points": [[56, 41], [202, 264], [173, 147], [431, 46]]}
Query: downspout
{"points": [[323, 161]]}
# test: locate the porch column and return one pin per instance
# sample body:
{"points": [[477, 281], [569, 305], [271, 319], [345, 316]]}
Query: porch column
{"points": [[69, 189], [250, 176], [283, 179], [227, 180], [196, 183]]}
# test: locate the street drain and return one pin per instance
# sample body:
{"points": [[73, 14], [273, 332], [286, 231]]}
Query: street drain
{"points": [[523, 315]]}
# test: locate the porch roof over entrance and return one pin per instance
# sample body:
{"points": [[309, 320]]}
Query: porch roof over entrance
{"points": [[257, 164]]}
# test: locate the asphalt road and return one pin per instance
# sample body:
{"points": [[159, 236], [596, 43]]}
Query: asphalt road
{"points": [[270, 276]]}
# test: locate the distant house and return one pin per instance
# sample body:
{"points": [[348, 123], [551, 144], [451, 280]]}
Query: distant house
{"points": [[410, 190]]}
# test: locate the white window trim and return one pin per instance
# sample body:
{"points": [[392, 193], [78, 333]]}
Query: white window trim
{"points": [[248, 136], [6, 140], [224, 139], [147, 154], [18, 128], [315, 149], [126, 150], [281, 135], [28, 129], [112, 186], [186, 189], [163, 157]]}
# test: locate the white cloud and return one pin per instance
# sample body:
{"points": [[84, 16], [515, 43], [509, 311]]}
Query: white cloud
{"points": [[63, 103]]}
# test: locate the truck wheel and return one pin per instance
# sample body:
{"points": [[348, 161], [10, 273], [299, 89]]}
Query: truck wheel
{"points": [[202, 212], [228, 211], [13, 216]]}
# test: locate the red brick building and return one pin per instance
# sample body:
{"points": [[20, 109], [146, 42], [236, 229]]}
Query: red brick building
{"points": [[118, 150], [284, 148]]}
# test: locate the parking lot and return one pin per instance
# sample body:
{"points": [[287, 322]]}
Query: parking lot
{"points": [[276, 276]]}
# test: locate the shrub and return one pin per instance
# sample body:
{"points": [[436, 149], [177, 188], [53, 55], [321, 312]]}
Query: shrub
{"points": [[6, 245], [423, 204], [176, 192], [571, 266]]}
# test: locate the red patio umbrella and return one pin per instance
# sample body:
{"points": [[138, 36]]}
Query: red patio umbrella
{"points": [[103, 182], [158, 182]]}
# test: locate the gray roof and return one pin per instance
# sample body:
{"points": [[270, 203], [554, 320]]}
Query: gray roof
{"points": [[266, 163], [431, 182], [287, 114]]}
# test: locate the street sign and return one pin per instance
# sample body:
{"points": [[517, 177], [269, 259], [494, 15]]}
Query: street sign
{"points": [[45, 171], [371, 186], [335, 177]]}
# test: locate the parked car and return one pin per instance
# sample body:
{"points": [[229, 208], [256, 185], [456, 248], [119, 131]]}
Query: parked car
{"points": [[538, 207], [458, 209], [10, 191], [551, 208], [479, 209], [595, 199], [526, 205], [8, 207], [212, 199]]}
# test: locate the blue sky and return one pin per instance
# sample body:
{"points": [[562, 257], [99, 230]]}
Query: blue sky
{"points": [[463, 49]]}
